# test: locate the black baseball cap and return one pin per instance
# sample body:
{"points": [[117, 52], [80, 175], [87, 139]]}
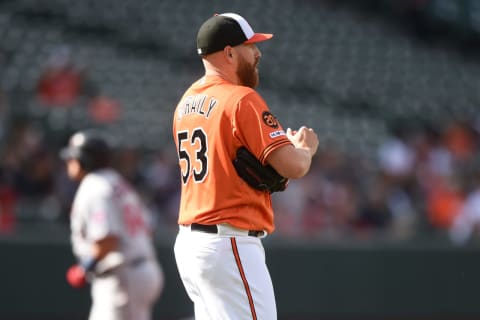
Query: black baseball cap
{"points": [[226, 29], [84, 142]]}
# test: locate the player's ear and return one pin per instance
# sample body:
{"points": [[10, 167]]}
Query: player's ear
{"points": [[228, 52]]}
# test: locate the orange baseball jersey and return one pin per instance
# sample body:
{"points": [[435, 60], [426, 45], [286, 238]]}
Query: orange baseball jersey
{"points": [[213, 119]]}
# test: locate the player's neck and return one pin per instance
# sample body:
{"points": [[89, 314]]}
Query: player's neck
{"points": [[225, 72], [220, 75]]}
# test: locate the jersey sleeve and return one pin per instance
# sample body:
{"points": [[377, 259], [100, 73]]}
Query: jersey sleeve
{"points": [[257, 128]]}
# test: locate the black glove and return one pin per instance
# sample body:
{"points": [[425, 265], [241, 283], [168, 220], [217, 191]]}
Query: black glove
{"points": [[258, 176]]}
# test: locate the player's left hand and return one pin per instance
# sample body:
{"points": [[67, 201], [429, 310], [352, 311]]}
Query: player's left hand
{"points": [[76, 276], [304, 138]]}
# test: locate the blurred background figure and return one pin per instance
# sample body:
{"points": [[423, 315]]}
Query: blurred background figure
{"points": [[111, 234], [466, 224], [62, 82]]}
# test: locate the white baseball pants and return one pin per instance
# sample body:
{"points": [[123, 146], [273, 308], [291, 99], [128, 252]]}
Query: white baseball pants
{"points": [[225, 275]]}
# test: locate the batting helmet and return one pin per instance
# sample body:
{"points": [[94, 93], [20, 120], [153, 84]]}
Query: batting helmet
{"points": [[89, 148]]}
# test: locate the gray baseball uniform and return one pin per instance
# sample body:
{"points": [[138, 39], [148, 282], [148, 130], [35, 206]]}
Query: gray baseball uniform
{"points": [[126, 282]]}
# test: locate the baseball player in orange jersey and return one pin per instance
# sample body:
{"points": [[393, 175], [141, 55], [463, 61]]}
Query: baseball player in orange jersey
{"points": [[222, 219]]}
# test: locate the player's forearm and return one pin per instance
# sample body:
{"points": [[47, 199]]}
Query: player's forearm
{"points": [[291, 162], [299, 164], [104, 246]]}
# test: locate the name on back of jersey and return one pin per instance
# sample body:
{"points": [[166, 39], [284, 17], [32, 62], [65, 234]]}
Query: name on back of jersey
{"points": [[197, 104]]}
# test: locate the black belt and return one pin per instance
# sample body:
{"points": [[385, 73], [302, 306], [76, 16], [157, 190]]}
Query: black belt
{"points": [[212, 228]]}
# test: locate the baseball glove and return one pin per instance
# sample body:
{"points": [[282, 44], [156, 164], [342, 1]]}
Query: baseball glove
{"points": [[256, 175]]}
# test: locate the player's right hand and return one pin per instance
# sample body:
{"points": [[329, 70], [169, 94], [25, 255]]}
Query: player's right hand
{"points": [[76, 276]]}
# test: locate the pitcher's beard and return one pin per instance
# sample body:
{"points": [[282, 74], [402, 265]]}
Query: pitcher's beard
{"points": [[248, 73]]}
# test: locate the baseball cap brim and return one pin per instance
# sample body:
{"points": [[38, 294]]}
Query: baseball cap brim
{"points": [[259, 37]]}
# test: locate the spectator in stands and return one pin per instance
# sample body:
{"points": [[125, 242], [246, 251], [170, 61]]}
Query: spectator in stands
{"points": [[62, 82], [459, 139], [8, 194], [325, 203], [161, 180], [395, 155], [104, 109], [8, 202], [333, 203], [127, 162], [467, 222], [435, 177], [375, 211], [290, 207], [390, 198], [20, 143], [36, 177], [29, 168]]}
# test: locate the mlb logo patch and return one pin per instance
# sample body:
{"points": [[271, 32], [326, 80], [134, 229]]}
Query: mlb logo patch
{"points": [[276, 134]]}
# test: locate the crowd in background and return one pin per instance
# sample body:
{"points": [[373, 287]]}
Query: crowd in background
{"points": [[416, 184], [423, 180]]}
